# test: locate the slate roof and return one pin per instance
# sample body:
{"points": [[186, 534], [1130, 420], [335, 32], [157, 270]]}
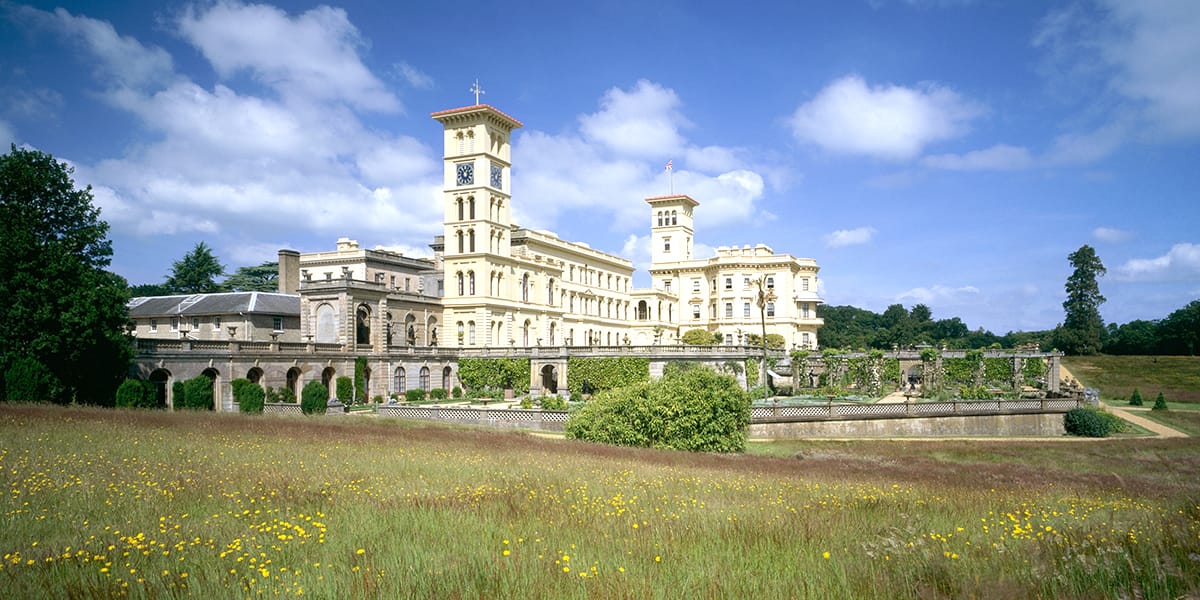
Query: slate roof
{"points": [[265, 303]]}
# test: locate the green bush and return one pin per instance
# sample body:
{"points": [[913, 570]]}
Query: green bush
{"points": [[1136, 398], [975, 392], [414, 395], [345, 388], [675, 367], [378, 399], [136, 393], [27, 380], [437, 394], [177, 393], [776, 341], [606, 373], [697, 337], [576, 397], [456, 393], [1160, 403], [1090, 422], [698, 410], [526, 402], [197, 394], [249, 395], [554, 403], [314, 398], [495, 373]]}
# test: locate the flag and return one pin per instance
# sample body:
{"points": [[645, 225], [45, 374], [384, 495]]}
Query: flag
{"points": [[670, 165]]}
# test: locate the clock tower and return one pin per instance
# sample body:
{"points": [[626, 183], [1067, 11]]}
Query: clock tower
{"points": [[477, 222]]}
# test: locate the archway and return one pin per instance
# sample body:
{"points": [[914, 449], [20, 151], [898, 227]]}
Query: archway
{"points": [[326, 324], [293, 383], [362, 325], [255, 375], [431, 332], [550, 379], [329, 379], [410, 330], [215, 376], [161, 378], [446, 379]]}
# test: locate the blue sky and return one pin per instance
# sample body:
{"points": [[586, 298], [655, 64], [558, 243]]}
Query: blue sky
{"points": [[950, 153]]}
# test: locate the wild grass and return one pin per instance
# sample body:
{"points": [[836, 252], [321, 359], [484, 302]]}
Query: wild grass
{"points": [[102, 504], [1177, 377]]}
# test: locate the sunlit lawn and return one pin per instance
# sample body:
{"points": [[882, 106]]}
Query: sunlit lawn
{"points": [[1177, 377], [112, 503]]}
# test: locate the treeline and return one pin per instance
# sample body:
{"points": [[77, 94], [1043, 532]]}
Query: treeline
{"points": [[849, 327], [197, 273]]}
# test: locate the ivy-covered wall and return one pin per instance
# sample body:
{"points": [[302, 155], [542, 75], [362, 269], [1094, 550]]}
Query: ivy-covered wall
{"points": [[606, 373], [494, 373]]}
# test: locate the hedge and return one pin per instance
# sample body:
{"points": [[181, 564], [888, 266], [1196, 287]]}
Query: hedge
{"points": [[606, 373], [136, 393], [495, 373], [314, 398]]}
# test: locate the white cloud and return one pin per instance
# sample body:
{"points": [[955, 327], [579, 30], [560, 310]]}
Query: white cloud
{"points": [[414, 76], [1111, 235], [310, 56], [617, 159], [643, 122], [1090, 146], [888, 122], [939, 294], [849, 237], [1181, 263], [120, 60], [7, 136], [1000, 157], [1156, 51]]}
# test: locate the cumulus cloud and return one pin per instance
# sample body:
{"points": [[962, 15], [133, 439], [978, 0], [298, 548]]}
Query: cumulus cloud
{"points": [[1000, 157], [312, 56], [1181, 263], [618, 154], [885, 121], [849, 237], [1111, 235]]}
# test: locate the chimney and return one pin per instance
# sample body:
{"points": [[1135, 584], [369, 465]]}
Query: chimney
{"points": [[289, 272]]}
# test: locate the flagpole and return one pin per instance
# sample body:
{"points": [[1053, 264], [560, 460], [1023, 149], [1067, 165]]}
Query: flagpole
{"points": [[671, 177]]}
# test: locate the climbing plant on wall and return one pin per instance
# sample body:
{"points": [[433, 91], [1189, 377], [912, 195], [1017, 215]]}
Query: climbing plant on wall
{"points": [[494, 373], [998, 371], [1033, 370], [606, 373]]}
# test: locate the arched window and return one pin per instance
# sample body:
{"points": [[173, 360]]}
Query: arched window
{"points": [[460, 142], [471, 206], [674, 220], [459, 235], [398, 383], [553, 330], [525, 333], [471, 281], [459, 325], [550, 293], [459, 202], [459, 275], [471, 236], [525, 288], [424, 378], [470, 333], [362, 322], [660, 218], [446, 378]]}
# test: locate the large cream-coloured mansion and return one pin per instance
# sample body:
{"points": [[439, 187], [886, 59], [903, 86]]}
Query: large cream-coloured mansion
{"points": [[491, 283]]}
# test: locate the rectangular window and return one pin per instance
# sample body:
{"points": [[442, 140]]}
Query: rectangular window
{"points": [[728, 310], [174, 323], [666, 285], [667, 244], [770, 283], [153, 325], [695, 311], [745, 283], [745, 309], [277, 323], [407, 284], [804, 311], [216, 323], [804, 340], [695, 285], [770, 309], [195, 323], [729, 283], [804, 284]]}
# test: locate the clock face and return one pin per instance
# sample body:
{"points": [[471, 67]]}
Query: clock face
{"points": [[497, 176], [466, 174]]}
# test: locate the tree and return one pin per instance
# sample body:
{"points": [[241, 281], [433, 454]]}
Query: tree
{"points": [[196, 272], [262, 278], [697, 337], [149, 289], [1179, 333], [1083, 328], [61, 307]]}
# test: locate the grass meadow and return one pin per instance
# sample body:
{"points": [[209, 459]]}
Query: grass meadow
{"points": [[103, 503], [1177, 377]]}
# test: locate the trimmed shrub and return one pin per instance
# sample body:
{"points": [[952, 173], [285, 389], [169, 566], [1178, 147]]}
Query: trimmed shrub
{"points": [[456, 393], [554, 403], [437, 394], [197, 394], [378, 399], [526, 402], [314, 398], [576, 397], [495, 373], [177, 393], [27, 380], [1160, 403], [287, 395], [1090, 422], [698, 410], [414, 395], [697, 337], [1136, 398], [776, 341], [345, 388], [249, 395], [136, 393], [606, 373]]}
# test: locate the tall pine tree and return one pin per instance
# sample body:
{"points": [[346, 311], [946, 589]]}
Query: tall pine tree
{"points": [[1083, 328]]}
